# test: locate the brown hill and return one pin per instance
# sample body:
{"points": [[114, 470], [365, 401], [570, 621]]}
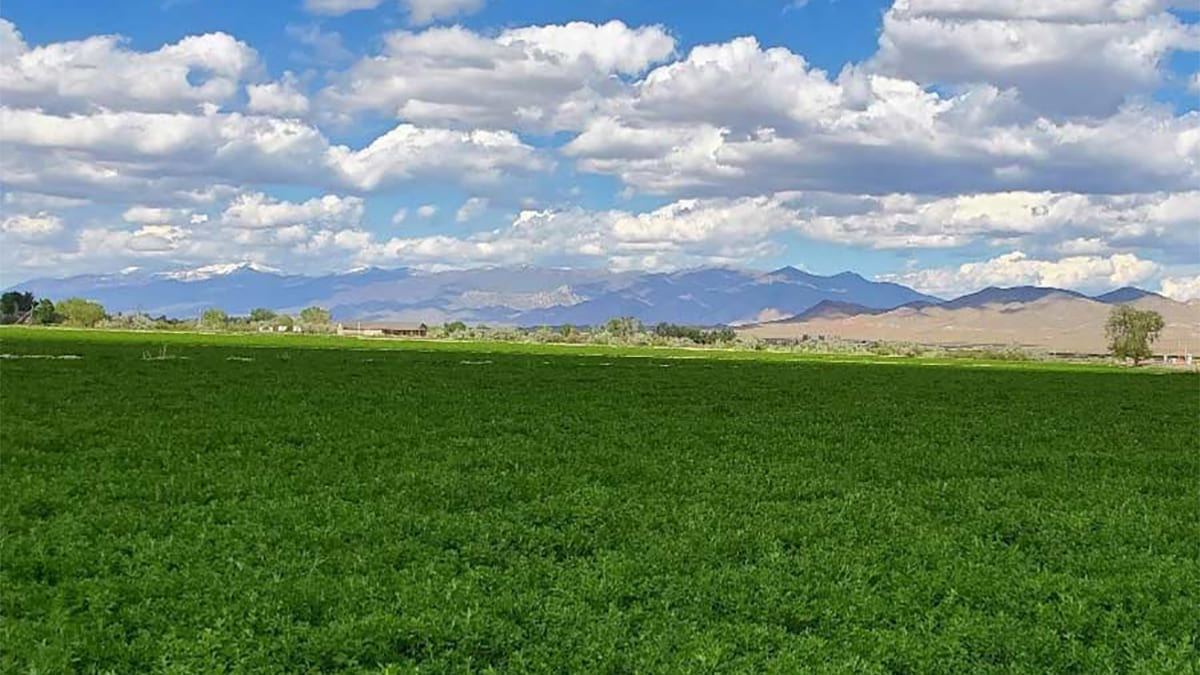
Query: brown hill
{"points": [[1055, 322]]}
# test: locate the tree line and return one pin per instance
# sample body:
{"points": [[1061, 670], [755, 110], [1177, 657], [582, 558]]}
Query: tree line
{"points": [[215, 318], [17, 307], [623, 330], [24, 308]]}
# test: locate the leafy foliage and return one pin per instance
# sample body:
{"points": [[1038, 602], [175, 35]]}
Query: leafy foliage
{"points": [[1131, 331], [16, 302], [214, 318], [696, 335], [315, 316], [262, 314], [44, 312], [80, 312], [625, 326]]}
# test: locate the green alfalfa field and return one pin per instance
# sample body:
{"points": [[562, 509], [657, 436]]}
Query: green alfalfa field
{"points": [[205, 504]]}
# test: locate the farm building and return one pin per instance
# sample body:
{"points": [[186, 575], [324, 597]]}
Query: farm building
{"points": [[365, 329]]}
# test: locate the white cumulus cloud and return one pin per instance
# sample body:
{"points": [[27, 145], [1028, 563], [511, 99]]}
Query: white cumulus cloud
{"points": [[101, 72], [1181, 288], [258, 211], [737, 119], [1067, 56], [124, 152], [471, 209], [538, 77], [31, 227], [280, 98], [1018, 269], [150, 215]]}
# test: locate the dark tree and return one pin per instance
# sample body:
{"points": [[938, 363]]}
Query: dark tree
{"points": [[44, 312], [14, 303]]}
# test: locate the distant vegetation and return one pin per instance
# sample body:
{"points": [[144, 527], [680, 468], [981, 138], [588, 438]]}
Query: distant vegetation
{"points": [[315, 316], [22, 307], [700, 337]]}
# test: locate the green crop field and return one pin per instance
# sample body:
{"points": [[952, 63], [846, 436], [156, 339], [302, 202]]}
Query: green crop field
{"points": [[193, 504]]}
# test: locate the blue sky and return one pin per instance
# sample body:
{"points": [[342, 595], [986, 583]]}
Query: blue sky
{"points": [[943, 144], [829, 34]]}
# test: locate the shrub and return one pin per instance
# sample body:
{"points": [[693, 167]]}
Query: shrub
{"points": [[81, 313], [315, 316], [214, 319], [44, 312]]}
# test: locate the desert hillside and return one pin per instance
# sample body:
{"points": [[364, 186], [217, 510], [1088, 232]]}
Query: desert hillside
{"points": [[1057, 322]]}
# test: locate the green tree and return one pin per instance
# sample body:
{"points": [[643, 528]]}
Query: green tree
{"points": [[214, 318], [724, 334], [625, 326], [1131, 331], [262, 314], [80, 312], [15, 302], [453, 327], [44, 312], [315, 316]]}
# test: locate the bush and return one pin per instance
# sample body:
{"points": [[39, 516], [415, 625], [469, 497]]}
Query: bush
{"points": [[214, 319], [315, 316], [80, 313], [625, 326], [723, 335], [262, 314], [44, 312], [136, 321]]}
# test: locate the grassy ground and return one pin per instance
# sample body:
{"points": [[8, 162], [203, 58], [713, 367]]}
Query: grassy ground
{"points": [[262, 505]]}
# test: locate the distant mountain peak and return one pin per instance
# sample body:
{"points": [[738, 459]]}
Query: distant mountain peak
{"points": [[835, 308], [993, 295], [1125, 294], [218, 270], [788, 271], [849, 275]]}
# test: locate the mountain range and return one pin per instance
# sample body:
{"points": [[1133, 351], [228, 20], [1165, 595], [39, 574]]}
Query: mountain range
{"points": [[781, 303], [510, 295]]}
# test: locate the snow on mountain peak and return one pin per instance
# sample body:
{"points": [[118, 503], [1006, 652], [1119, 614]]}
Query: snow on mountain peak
{"points": [[216, 270]]}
